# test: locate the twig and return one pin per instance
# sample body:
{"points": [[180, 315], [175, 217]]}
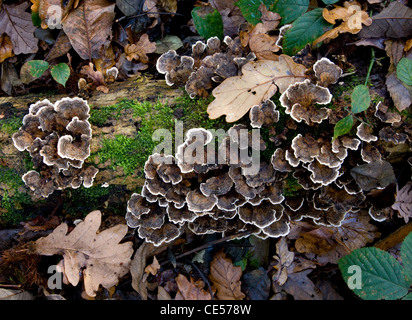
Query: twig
{"points": [[142, 14], [209, 244], [202, 276]]}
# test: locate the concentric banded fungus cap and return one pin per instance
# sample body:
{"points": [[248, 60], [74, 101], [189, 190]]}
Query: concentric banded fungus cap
{"points": [[279, 161], [364, 132], [207, 225], [389, 134], [217, 185], [261, 215], [241, 186], [177, 69], [369, 153], [327, 72], [323, 174], [384, 115], [300, 99], [230, 201], [138, 205], [68, 108], [164, 166], [42, 187], [264, 114], [180, 215], [305, 148], [87, 176], [266, 174], [198, 202], [192, 151], [278, 228], [165, 234]]}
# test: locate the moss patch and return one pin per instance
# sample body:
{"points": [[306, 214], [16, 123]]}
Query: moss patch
{"points": [[12, 198]]}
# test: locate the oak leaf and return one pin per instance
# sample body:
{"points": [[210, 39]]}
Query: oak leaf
{"points": [[17, 24], [89, 27], [403, 202], [138, 51], [190, 290], [259, 81], [352, 18], [153, 267], [98, 255], [226, 278]]}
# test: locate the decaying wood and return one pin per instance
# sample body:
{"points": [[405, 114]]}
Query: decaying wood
{"points": [[140, 90]]}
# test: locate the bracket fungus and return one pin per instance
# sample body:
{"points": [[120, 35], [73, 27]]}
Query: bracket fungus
{"points": [[326, 72], [57, 137], [299, 101]]}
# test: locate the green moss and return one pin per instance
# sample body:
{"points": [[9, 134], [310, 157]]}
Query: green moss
{"points": [[11, 125], [83, 200], [292, 187], [131, 153], [12, 201]]}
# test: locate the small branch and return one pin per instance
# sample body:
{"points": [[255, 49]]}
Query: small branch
{"points": [[145, 13]]}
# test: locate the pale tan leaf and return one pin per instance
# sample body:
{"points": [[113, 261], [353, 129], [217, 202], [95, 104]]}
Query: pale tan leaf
{"points": [[99, 255], [145, 251], [259, 81], [153, 267], [403, 202], [226, 278], [89, 27], [6, 48], [190, 290]]}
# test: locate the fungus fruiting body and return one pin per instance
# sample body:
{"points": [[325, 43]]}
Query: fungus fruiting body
{"points": [[57, 137]]}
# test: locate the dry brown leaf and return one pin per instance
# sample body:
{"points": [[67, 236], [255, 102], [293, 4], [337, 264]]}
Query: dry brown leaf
{"points": [[352, 18], [138, 51], [17, 24], [6, 48], [97, 77], [139, 277], [403, 202], [60, 47], [89, 27], [153, 267], [332, 243], [98, 255], [226, 278], [284, 259], [192, 290], [259, 81]]}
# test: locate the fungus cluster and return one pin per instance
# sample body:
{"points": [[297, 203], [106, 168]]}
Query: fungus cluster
{"points": [[209, 64], [57, 137]]}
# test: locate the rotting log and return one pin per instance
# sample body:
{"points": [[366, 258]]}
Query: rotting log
{"points": [[140, 90]]}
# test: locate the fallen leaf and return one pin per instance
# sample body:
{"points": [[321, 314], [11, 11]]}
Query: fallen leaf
{"points": [[403, 202], [190, 290], [153, 267], [96, 255], [231, 16], [226, 278], [6, 48], [259, 81], [138, 51], [352, 18], [400, 95], [97, 77], [162, 294], [284, 259], [17, 24], [376, 174], [138, 265], [394, 21], [256, 284], [89, 27], [60, 47]]}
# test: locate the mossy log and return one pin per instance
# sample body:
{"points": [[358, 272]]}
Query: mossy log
{"points": [[12, 110]]}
